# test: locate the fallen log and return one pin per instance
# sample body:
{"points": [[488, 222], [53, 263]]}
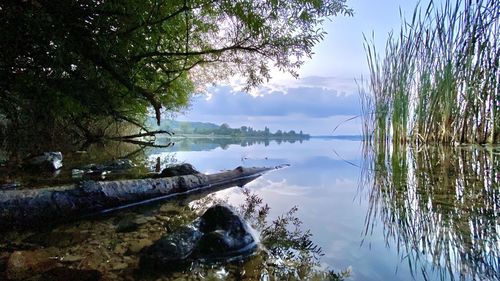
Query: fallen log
{"points": [[35, 207]]}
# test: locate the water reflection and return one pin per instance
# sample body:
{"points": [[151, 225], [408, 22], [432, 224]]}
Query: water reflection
{"points": [[439, 206], [206, 143]]}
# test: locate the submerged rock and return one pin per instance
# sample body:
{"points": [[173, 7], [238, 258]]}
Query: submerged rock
{"points": [[23, 264], [218, 235], [100, 171], [137, 245], [127, 224], [171, 251], [48, 161]]}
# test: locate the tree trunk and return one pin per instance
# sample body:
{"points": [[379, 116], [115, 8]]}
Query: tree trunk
{"points": [[32, 207]]}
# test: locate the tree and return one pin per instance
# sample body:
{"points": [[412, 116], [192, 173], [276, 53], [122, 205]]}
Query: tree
{"points": [[77, 61]]}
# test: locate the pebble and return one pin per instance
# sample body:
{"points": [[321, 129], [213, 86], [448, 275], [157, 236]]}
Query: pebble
{"points": [[137, 245], [71, 258], [120, 249], [120, 266]]}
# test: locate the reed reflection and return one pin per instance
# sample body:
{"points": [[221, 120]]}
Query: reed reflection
{"points": [[439, 206]]}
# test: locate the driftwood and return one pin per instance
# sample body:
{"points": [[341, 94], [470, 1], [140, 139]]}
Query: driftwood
{"points": [[34, 207]]}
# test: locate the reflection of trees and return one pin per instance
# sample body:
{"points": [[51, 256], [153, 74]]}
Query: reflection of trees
{"points": [[440, 204], [289, 254], [205, 144]]}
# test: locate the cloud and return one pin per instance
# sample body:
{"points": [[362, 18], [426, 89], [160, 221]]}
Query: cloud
{"points": [[307, 101], [337, 84]]}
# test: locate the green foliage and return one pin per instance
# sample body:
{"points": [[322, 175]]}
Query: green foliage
{"points": [[74, 62], [439, 80]]}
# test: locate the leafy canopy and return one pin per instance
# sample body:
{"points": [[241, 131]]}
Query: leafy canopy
{"points": [[88, 59]]}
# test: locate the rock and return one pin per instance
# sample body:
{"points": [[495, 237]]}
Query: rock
{"points": [[120, 249], [127, 224], [77, 173], [178, 170], [71, 258], [119, 266], [220, 234], [169, 209], [225, 234], [171, 251], [23, 264], [48, 161], [142, 220], [115, 165], [137, 245], [65, 273], [221, 217], [100, 171]]}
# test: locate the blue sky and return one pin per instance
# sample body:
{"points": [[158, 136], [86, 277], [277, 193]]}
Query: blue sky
{"points": [[326, 92]]}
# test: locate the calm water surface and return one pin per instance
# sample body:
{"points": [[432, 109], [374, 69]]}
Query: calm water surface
{"points": [[426, 215], [402, 215]]}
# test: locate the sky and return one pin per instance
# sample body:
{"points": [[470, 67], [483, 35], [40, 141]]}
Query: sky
{"points": [[326, 93]]}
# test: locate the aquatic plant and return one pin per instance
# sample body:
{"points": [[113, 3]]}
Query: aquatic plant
{"points": [[439, 78]]}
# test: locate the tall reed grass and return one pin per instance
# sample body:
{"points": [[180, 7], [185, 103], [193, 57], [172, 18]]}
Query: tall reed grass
{"points": [[438, 81]]}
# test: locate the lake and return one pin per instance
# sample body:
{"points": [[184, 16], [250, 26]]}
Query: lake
{"points": [[380, 214]]}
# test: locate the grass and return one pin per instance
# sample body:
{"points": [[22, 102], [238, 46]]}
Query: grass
{"points": [[438, 81]]}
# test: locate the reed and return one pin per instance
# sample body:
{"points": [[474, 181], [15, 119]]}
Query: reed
{"points": [[438, 81]]}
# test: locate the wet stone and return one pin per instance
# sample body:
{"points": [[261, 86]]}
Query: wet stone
{"points": [[127, 224], [119, 266], [220, 234], [71, 258], [23, 264], [48, 161], [137, 245], [120, 249], [142, 220]]}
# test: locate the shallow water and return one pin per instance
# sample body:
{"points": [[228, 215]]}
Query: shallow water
{"points": [[409, 215]]}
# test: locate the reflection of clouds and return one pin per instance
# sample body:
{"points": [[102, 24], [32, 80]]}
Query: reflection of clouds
{"points": [[282, 187]]}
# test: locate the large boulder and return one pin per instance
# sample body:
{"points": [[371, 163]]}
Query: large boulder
{"points": [[218, 235], [226, 234]]}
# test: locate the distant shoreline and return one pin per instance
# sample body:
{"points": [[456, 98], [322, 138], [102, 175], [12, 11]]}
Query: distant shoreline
{"points": [[305, 137], [202, 136]]}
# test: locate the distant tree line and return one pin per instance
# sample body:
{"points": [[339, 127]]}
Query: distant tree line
{"points": [[244, 131]]}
